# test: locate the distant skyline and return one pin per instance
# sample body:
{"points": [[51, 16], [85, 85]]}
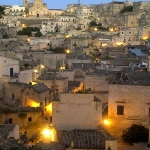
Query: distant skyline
{"points": [[55, 4]]}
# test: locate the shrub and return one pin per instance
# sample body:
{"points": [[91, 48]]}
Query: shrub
{"points": [[135, 133]]}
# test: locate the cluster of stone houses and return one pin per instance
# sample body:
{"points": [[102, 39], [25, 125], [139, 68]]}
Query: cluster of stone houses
{"points": [[102, 75]]}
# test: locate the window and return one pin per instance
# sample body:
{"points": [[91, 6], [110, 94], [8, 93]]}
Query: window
{"points": [[45, 101], [29, 119], [149, 112], [120, 110], [13, 95], [10, 120], [51, 119]]}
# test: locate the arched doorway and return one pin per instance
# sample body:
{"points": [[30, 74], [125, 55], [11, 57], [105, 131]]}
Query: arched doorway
{"points": [[38, 15]]}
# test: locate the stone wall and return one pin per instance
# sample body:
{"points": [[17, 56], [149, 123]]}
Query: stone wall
{"points": [[76, 111], [33, 99], [95, 83], [22, 121], [135, 100]]}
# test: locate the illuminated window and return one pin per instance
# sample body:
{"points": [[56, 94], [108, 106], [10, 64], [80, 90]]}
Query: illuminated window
{"points": [[120, 110]]}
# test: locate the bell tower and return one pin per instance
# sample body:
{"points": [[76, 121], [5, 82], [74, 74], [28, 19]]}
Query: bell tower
{"points": [[26, 3]]}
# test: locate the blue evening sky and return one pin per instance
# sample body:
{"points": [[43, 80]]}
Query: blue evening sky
{"points": [[56, 4]]}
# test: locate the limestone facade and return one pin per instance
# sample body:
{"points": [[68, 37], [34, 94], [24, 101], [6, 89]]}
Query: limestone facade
{"points": [[76, 111], [128, 104]]}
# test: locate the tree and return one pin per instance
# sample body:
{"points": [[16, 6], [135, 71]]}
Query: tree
{"points": [[2, 11], [59, 50], [5, 36], [93, 23], [28, 31], [38, 34], [26, 65], [135, 133], [126, 9]]}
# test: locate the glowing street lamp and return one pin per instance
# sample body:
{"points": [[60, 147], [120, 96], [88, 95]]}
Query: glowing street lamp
{"points": [[67, 36], [106, 122], [67, 51], [42, 66], [95, 29], [23, 25], [46, 132], [28, 39]]}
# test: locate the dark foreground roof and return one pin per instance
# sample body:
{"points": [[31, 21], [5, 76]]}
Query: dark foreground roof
{"points": [[49, 146], [88, 139]]}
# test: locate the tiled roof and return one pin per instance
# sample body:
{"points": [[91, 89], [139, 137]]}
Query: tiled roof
{"points": [[11, 143], [79, 57], [121, 62], [49, 146], [40, 87], [49, 77], [4, 130], [133, 78], [21, 109], [82, 139]]}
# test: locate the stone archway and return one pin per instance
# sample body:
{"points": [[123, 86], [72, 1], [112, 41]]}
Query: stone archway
{"points": [[37, 15]]}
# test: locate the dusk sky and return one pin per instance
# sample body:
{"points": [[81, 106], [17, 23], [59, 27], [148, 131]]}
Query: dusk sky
{"points": [[58, 4]]}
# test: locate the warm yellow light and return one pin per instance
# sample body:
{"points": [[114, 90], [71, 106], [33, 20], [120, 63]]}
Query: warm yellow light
{"points": [[32, 103], [104, 44], [28, 39], [67, 51], [62, 67], [33, 83], [23, 25], [111, 29], [49, 109], [106, 122], [36, 71], [67, 36], [42, 66], [46, 132], [95, 29], [145, 38], [119, 43]]}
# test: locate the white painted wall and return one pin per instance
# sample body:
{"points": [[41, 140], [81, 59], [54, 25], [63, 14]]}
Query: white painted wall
{"points": [[6, 64], [25, 76]]}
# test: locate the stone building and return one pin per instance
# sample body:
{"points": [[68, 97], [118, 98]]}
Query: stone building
{"points": [[36, 96], [76, 111], [36, 9], [8, 66], [57, 83], [39, 9], [128, 102], [23, 116], [97, 82]]}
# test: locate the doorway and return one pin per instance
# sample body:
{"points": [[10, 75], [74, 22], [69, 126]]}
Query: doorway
{"points": [[38, 15]]}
